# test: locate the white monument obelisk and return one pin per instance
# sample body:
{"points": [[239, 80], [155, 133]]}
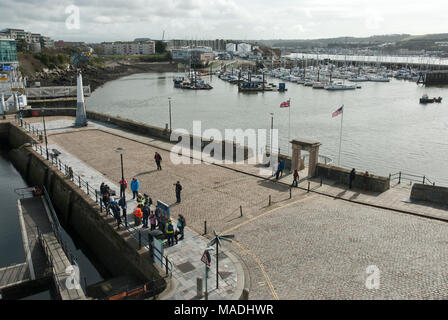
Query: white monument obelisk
{"points": [[81, 117], [2, 104]]}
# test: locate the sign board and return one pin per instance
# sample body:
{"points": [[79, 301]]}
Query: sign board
{"points": [[206, 258], [157, 246], [164, 208]]}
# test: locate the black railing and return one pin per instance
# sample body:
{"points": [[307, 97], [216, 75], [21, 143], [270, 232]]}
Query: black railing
{"points": [[90, 191], [411, 178]]}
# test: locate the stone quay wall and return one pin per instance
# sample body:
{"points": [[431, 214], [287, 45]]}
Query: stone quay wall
{"points": [[116, 250], [425, 192], [341, 175]]}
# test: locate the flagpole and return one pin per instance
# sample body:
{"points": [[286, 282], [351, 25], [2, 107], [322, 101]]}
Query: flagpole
{"points": [[289, 130], [340, 137]]}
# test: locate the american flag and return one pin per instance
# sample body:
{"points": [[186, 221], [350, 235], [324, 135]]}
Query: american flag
{"points": [[285, 104], [338, 112]]}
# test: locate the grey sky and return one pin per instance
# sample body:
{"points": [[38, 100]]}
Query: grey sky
{"points": [[108, 20]]}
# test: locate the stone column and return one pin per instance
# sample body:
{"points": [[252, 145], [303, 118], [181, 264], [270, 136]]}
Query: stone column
{"points": [[81, 117], [2, 105], [296, 156], [314, 157]]}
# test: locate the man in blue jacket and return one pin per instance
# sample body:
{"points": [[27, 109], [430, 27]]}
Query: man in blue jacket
{"points": [[134, 187]]}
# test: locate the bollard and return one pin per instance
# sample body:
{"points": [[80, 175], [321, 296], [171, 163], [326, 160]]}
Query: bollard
{"points": [[245, 294], [166, 265], [96, 196], [308, 187], [87, 186], [79, 180], [269, 199], [139, 240], [321, 181], [205, 227], [206, 295], [290, 193], [423, 179], [199, 287], [241, 211], [399, 177]]}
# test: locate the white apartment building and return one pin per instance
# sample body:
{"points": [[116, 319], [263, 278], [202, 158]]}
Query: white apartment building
{"points": [[129, 48]]}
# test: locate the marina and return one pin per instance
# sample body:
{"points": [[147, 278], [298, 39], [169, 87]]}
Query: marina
{"points": [[378, 117]]}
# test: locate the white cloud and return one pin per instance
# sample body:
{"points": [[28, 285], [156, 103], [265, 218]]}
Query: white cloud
{"points": [[231, 19]]}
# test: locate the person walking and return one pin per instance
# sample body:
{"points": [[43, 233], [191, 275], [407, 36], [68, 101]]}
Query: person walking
{"points": [[351, 178], [181, 224], [178, 190], [158, 159], [282, 167], [170, 232], [135, 185], [295, 182], [145, 216], [123, 185]]}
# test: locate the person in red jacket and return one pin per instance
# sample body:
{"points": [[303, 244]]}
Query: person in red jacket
{"points": [[158, 159], [123, 185]]}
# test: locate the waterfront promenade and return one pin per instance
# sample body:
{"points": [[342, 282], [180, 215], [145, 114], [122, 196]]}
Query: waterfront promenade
{"points": [[317, 244]]}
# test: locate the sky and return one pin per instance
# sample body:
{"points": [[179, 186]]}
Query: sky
{"points": [[119, 20]]}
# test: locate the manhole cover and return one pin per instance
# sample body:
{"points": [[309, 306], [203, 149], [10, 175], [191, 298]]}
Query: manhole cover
{"points": [[185, 267]]}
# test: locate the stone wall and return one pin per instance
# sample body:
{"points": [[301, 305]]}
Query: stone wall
{"points": [[117, 251], [341, 175], [425, 192]]}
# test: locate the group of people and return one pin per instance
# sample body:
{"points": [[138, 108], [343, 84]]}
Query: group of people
{"points": [[144, 213]]}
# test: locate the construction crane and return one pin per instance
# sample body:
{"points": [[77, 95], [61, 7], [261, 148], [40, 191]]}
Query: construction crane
{"points": [[163, 35]]}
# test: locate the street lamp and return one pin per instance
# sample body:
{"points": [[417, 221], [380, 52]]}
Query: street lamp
{"points": [[217, 240], [45, 132], [169, 107], [270, 155], [122, 184]]}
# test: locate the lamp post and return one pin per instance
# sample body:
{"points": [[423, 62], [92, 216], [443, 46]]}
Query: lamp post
{"points": [[122, 185], [169, 108], [270, 154], [45, 133]]}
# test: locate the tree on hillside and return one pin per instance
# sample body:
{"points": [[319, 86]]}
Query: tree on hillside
{"points": [[21, 45], [160, 47]]}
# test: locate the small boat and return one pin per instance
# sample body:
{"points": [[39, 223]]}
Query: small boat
{"points": [[358, 79], [379, 79], [339, 86], [426, 99], [318, 85]]}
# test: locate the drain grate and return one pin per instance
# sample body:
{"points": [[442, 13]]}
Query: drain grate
{"points": [[185, 267]]}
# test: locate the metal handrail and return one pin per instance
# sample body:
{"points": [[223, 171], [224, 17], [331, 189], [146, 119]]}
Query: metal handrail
{"points": [[411, 178]]}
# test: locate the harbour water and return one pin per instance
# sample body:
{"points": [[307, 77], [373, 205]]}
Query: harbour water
{"points": [[11, 245], [385, 129]]}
